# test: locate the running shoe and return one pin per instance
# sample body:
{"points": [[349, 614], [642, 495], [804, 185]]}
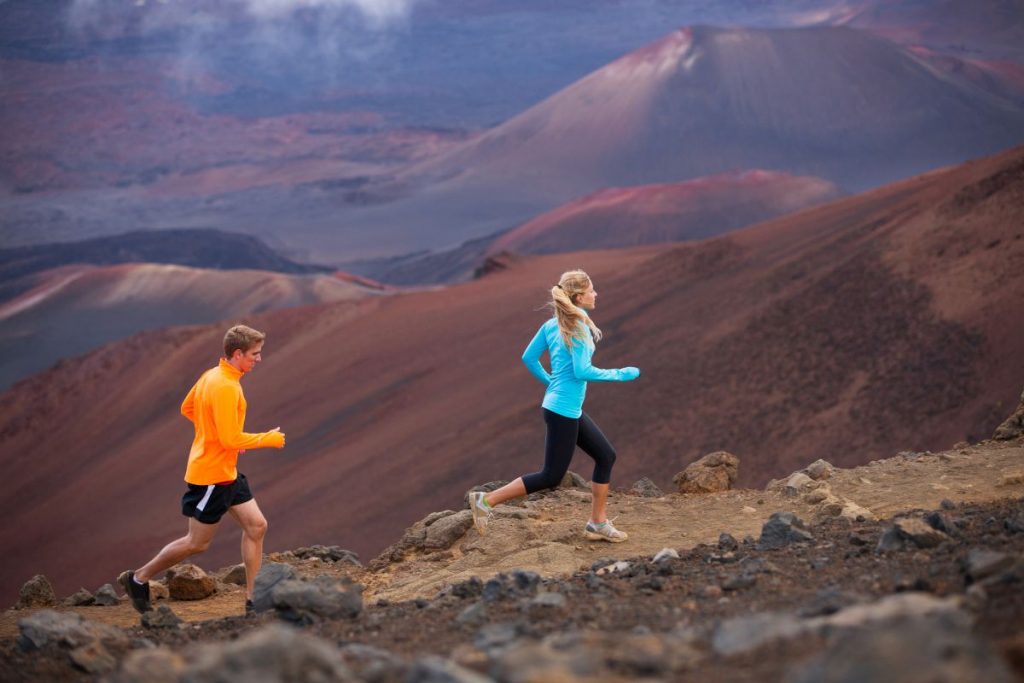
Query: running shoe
{"points": [[481, 513], [139, 593], [604, 532]]}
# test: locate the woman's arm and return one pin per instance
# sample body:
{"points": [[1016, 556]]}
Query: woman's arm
{"points": [[531, 357], [581, 367]]}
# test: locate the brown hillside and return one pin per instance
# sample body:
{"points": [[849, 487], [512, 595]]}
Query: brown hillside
{"points": [[877, 323]]}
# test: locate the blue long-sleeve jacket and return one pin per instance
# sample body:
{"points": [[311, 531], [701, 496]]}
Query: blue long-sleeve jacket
{"points": [[570, 369]]}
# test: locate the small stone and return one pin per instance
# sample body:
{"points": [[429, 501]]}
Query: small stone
{"points": [[795, 484], [470, 588], [161, 618], [473, 615], [1015, 524], [645, 488], [616, 567], [781, 529], [940, 522], [234, 575], [919, 533], [860, 538], [739, 582], [548, 600], [891, 540], [151, 665], [571, 480], [711, 591], [189, 582], [106, 596], [36, 592], [982, 563], [749, 510], [727, 542], [1012, 479], [93, 658], [817, 496], [79, 599], [666, 553], [443, 533], [947, 504], [433, 669], [856, 513]]}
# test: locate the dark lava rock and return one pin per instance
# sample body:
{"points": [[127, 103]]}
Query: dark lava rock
{"points": [[781, 529], [727, 542], [271, 574], [323, 597], [161, 617], [936, 650]]}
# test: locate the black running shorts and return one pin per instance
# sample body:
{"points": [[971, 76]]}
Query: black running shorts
{"points": [[208, 502]]}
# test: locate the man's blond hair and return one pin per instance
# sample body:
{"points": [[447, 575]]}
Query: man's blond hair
{"points": [[241, 337]]}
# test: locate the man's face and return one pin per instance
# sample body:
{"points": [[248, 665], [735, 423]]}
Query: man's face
{"points": [[246, 361]]}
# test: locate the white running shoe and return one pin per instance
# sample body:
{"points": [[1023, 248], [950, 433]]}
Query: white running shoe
{"points": [[481, 513], [604, 532]]}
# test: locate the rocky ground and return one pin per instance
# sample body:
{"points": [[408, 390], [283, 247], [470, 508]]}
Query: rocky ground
{"points": [[910, 568]]}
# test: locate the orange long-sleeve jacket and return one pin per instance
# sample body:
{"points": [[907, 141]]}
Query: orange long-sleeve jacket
{"points": [[216, 406]]}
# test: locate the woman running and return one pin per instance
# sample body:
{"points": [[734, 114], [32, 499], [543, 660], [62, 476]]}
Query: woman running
{"points": [[569, 338]]}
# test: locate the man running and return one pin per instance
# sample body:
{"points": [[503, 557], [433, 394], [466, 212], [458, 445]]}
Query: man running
{"points": [[216, 407]]}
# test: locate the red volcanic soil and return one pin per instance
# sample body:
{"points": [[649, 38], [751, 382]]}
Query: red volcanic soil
{"points": [[877, 323], [74, 309], [695, 209]]}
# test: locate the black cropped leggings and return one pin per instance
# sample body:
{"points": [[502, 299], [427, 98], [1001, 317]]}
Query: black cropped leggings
{"points": [[564, 435]]}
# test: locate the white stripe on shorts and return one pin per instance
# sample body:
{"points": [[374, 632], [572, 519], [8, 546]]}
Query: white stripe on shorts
{"points": [[206, 498]]}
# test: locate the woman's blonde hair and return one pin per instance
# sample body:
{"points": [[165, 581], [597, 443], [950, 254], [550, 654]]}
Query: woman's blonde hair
{"points": [[570, 287]]}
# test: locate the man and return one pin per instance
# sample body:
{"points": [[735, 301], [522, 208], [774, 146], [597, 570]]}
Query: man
{"points": [[216, 407]]}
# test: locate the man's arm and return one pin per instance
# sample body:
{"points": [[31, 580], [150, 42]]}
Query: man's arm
{"points": [[188, 406], [229, 427]]}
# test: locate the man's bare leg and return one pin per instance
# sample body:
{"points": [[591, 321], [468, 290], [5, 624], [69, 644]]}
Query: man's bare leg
{"points": [[194, 542], [254, 528]]}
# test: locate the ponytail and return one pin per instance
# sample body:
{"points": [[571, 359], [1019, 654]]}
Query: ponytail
{"points": [[570, 318]]}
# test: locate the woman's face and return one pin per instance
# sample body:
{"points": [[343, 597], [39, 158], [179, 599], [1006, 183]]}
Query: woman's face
{"points": [[588, 299]]}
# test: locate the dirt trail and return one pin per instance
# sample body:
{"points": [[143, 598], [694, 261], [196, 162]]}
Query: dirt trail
{"points": [[545, 534]]}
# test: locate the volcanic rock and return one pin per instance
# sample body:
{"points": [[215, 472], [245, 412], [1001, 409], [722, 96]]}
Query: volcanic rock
{"points": [[323, 597], [1013, 427], [781, 529], [161, 617], [37, 592], [646, 488], [714, 472], [189, 582], [79, 598], [271, 574], [106, 596]]}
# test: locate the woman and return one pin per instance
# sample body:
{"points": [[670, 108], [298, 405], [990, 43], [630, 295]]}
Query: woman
{"points": [[569, 338]]}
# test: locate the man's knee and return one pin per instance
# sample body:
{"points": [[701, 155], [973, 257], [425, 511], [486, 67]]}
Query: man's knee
{"points": [[196, 545], [257, 529]]}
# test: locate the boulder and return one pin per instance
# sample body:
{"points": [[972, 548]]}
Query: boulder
{"points": [[781, 529], [645, 488], [87, 644], [329, 553], [444, 532], [273, 653], [1013, 427], [324, 597], [714, 472], [819, 469], [37, 592], [189, 582], [940, 649], [271, 574], [797, 483]]}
